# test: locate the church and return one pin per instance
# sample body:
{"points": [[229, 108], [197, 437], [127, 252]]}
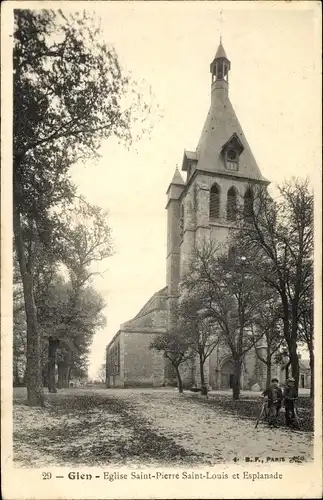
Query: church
{"points": [[218, 173]]}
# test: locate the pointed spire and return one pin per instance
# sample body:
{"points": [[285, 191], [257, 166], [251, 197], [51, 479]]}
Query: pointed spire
{"points": [[177, 179], [176, 187], [220, 67], [220, 52]]}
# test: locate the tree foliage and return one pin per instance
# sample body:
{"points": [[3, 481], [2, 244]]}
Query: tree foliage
{"points": [[269, 322], [175, 346], [200, 329], [70, 94], [230, 296], [278, 242]]}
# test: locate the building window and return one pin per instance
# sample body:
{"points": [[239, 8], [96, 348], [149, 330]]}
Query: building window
{"points": [[215, 202], [181, 221], [114, 360], [248, 205], [231, 151], [232, 204], [232, 155], [232, 160], [118, 357]]}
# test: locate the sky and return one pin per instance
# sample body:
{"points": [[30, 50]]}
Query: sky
{"points": [[275, 90]]}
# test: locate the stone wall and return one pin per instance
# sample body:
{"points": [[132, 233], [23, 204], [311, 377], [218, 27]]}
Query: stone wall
{"points": [[116, 380], [142, 367]]}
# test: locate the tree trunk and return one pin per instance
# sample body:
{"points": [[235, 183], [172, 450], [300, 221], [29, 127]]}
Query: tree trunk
{"points": [[64, 373], [52, 347], [294, 362], [268, 378], [16, 381], [287, 370], [203, 384], [24, 378], [311, 352], [68, 363], [268, 364], [45, 375], [169, 373], [65, 377], [69, 374], [35, 393], [236, 380], [179, 380], [65, 370], [60, 375]]}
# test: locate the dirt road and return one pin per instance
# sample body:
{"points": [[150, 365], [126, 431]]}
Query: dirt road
{"points": [[152, 427]]}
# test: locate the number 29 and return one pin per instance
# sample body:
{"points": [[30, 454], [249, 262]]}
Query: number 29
{"points": [[46, 475]]}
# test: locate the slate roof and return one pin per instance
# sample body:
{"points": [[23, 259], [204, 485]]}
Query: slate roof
{"points": [[221, 123], [177, 179], [189, 156], [220, 52], [145, 317]]}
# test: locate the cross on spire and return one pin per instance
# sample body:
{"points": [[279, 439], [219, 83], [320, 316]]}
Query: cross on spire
{"points": [[221, 24]]}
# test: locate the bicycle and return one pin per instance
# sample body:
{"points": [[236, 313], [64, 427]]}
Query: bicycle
{"points": [[264, 413]]}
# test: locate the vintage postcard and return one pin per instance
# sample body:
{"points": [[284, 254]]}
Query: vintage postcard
{"points": [[161, 250]]}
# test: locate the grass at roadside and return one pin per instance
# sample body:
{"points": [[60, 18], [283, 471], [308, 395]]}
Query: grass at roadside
{"points": [[248, 407]]}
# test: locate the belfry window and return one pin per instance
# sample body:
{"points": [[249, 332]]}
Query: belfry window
{"points": [[232, 155], [231, 151], [215, 202], [248, 205], [232, 204]]}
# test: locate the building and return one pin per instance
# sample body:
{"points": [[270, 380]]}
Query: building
{"points": [[218, 175], [129, 361]]}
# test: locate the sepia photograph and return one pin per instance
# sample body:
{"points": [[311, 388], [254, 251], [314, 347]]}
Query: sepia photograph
{"points": [[161, 213]]}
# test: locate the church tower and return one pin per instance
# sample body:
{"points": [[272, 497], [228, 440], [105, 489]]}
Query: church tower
{"points": [[220, 174], [220, 171]]}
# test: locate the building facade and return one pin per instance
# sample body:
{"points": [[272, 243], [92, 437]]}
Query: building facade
{"points": [[219, 175], [129, 361]]}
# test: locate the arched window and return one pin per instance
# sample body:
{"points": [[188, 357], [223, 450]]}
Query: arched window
{"points": [[248, 205], [232, 204], [215, 202]]}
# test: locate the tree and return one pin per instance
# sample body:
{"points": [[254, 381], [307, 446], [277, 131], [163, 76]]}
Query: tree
{"points": [[19, 328], [19, 341], [78, 333], [269, 321], [279, 237], [231, 296], [85, 237], [307, 328], [67, 341], [200, 329], [175, 347], [68, 97], [86, 240], [101, 375]]}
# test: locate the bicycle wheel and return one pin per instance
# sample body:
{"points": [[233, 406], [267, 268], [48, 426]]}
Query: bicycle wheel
{"points": [[262, 412]]}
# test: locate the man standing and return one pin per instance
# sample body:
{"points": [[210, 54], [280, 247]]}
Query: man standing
{"points": [[274, 395], [290, 396]]}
